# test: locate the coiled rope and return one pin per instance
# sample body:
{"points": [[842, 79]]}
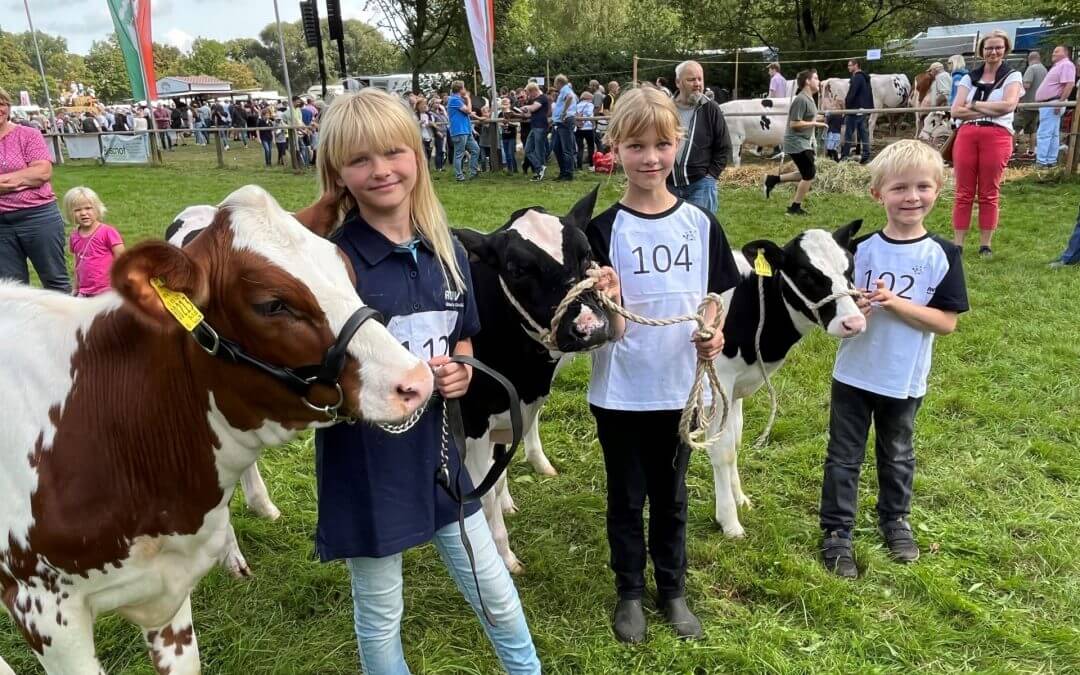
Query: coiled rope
{"points": [[696, 416]]}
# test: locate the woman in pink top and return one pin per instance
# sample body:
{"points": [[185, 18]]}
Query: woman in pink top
{"points": [[30, 222], [93, 243]]}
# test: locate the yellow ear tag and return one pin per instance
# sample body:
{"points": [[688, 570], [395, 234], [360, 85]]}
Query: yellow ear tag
{"points": [[761, 266], [178, 304]]}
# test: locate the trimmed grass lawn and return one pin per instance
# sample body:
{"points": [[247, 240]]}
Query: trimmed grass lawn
{"points": [[996, 509]]}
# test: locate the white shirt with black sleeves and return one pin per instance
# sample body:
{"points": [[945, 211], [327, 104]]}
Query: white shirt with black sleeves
{"points": [[892, 358], [666, 263]]}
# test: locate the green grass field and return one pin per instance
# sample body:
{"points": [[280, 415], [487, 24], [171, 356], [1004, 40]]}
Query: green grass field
{"points": [[996, 509]]}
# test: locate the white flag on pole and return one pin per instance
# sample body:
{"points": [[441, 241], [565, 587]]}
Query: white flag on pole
{"points": [[481, 14]]}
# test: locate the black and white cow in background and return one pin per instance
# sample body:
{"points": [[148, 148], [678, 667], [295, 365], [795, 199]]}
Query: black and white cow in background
{"points": [[819, 264], [540, 257]]}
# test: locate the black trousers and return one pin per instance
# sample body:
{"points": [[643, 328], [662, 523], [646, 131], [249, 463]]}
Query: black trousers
{"points": [[645, 458], [585, 137], [850, 414]]}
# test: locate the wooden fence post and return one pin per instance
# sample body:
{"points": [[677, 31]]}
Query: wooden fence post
{"points": [[635, 69], [217, 145], [1072, 156]]}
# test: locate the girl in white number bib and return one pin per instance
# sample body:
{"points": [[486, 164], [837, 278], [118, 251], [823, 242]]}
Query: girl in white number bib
{"points": [[663, 255]]}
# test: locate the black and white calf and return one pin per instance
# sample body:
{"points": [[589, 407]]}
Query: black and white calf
{"points": [[539, 257], [811, 267]]}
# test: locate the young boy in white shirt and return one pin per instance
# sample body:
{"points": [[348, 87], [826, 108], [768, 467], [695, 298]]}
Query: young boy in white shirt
{"points": [[915, 290], [661, 256]]}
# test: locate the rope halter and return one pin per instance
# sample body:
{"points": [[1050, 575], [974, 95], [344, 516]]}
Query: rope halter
{"points": [[815, 306], [696, 416], [546, 336], [774, 405]]}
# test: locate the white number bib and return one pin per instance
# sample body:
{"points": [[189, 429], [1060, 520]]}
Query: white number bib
{"points": [[654, 261], [425, 334]]}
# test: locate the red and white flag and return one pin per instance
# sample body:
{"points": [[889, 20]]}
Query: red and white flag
{"points": [[481, 15]]}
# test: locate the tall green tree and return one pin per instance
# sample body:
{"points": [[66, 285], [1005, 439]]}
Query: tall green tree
{"points": [[420, 28], [168, 60], [107, 71], [366, 50], [206, 57]]}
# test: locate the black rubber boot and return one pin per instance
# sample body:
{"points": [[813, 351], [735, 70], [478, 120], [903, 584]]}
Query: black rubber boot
{"points": [[629, 621], [686, 625]]}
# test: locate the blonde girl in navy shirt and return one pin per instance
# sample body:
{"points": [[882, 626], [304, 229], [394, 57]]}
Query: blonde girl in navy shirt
{"points": [[377, 492]]}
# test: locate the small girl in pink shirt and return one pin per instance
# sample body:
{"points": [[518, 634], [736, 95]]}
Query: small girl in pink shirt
{"points": [[93, 243]]}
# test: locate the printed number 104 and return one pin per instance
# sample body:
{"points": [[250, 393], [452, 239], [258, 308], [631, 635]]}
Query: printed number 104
{"points": [[661, 259]]}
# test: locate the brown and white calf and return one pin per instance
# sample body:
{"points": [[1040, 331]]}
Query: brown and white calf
{"points": [[123, 438]]}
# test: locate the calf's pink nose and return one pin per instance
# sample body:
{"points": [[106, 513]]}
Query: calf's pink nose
{"points": [[853, 325], [415, 387]]}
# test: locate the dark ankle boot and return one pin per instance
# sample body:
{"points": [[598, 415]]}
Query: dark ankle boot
{"points": [[629, 621], [680, 617]]}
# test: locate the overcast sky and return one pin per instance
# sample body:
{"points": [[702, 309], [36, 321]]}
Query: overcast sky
{"points": [[175, 22]]}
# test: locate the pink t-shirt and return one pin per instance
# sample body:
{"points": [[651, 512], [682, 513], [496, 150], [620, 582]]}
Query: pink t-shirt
{"points": [[777, 86], [18, 149], [93, 258], [1061, 73]]}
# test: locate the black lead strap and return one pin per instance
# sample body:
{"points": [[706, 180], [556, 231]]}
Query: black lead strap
{"points": [[503, 457]]}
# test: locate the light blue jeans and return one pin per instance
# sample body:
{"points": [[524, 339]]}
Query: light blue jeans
{"points": [[1048, 137], [701, 192], [378, 603], [463, 143]]}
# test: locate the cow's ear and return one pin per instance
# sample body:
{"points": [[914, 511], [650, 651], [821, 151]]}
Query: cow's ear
{"points": [[845, 236], [478, 245], [323, 215], [774, 255], [581, 214], [134, 270]]}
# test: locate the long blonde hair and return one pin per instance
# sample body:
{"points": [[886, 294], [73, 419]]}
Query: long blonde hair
{"points": [[372, 120]]}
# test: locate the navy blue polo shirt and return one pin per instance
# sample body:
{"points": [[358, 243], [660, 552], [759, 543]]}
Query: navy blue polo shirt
{"points": [[377, 491]]}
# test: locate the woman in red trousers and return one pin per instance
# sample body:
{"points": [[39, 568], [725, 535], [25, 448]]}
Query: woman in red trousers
{"points": [[984, 104]]}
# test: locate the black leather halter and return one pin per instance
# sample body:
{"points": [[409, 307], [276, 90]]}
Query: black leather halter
{"points": [[298, 380]]}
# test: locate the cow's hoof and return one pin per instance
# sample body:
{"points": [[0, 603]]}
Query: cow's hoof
{"points": [[742, 501], [514, 565], [507, 505], [547, 470], [542, 466], [733, 531], [237, 566], [265, 510]]}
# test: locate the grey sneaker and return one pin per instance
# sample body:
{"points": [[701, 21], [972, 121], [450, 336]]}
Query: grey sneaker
{"points": [[901, 542], [1057, 264], [837, 556]]}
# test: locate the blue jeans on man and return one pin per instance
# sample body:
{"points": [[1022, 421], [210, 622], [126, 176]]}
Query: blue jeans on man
{"points": [[536, 149], [853, 124], [378, 604], [701, 192], [463, 143], [1048, 137], [565, 148], [1071, 256]]}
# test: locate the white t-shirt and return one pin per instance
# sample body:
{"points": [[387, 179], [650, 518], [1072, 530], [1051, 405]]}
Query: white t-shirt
{"points": [[996, 95], [892, 358], [666, 264]]}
